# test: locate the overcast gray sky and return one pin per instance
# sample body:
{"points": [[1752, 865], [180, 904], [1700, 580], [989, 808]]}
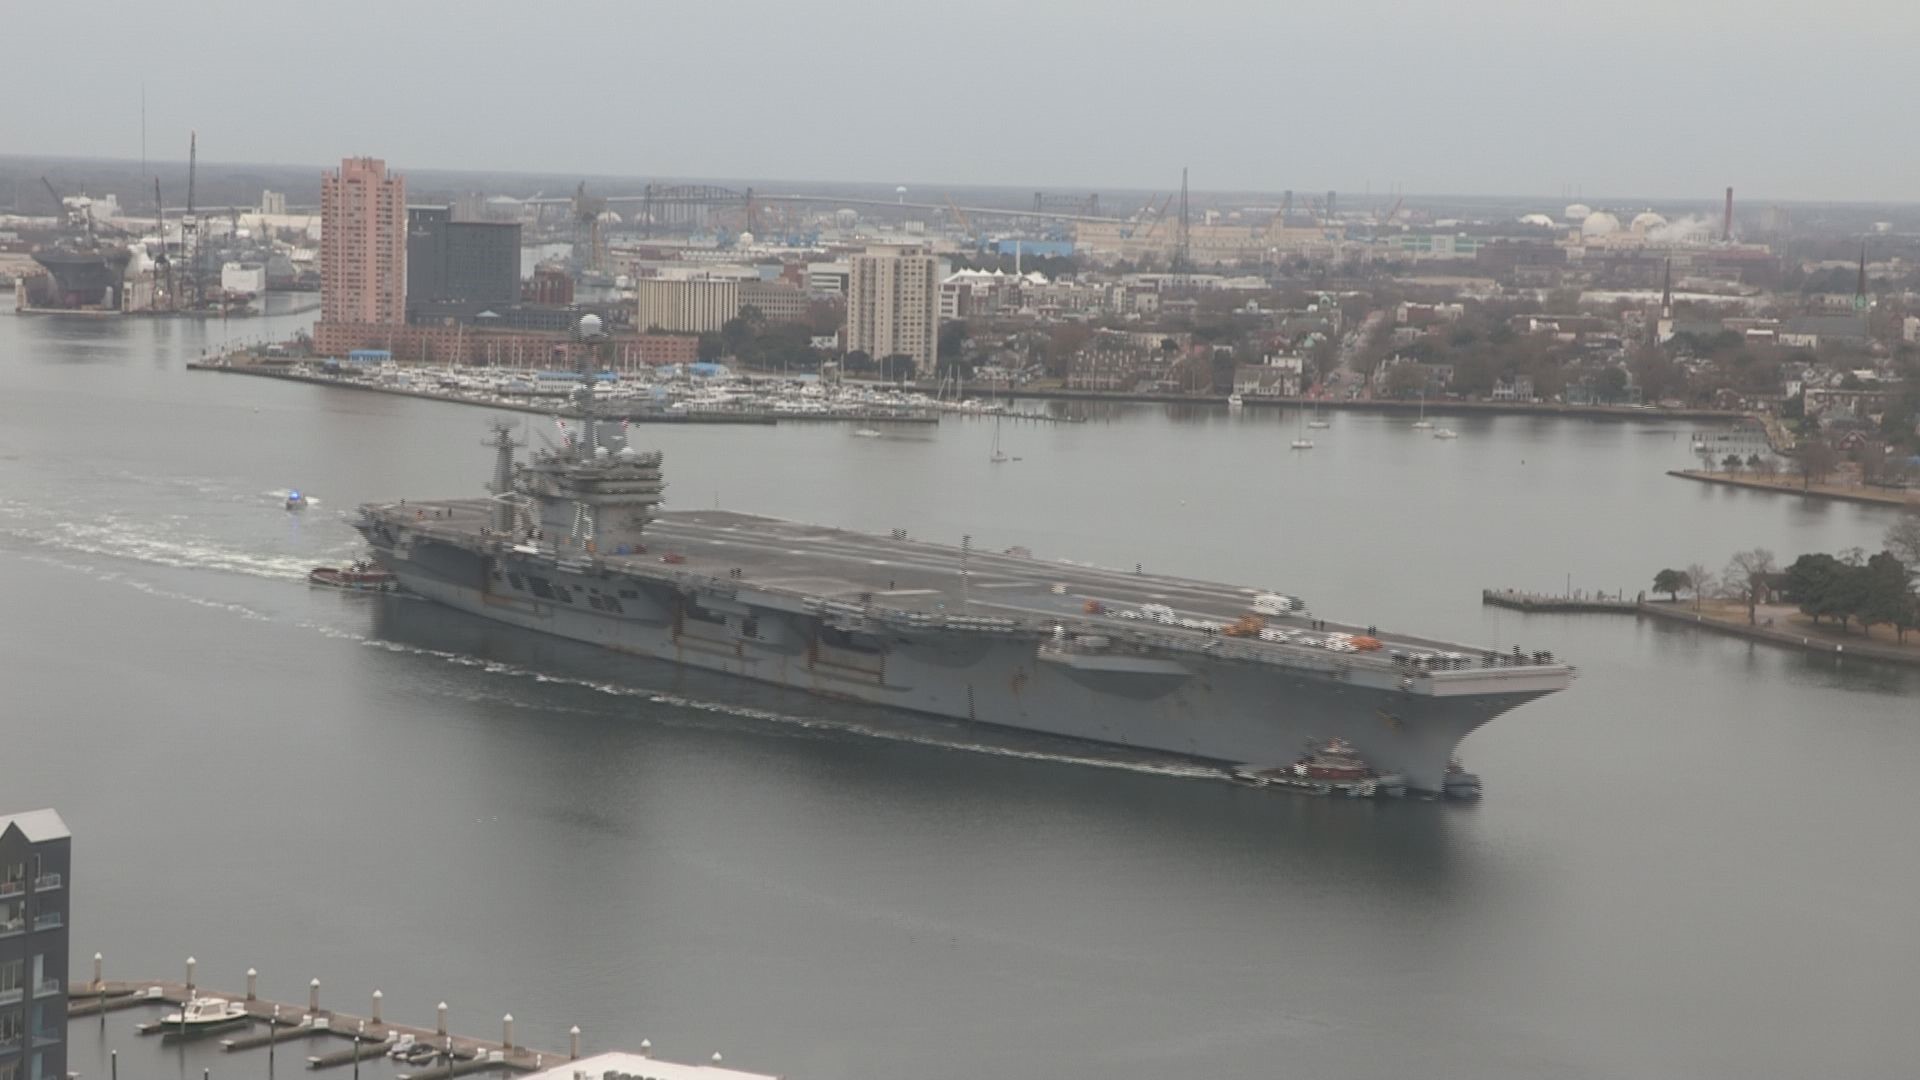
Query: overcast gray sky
{"points": [[1634, 97]]}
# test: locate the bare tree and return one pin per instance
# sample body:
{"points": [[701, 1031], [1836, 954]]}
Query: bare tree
{"points": [[1903, 539], [1815, 462], [1747, 575], [1700, 581]]}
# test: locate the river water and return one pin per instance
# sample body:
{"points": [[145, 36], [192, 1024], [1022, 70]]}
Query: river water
{"points": [[1698, 862]]}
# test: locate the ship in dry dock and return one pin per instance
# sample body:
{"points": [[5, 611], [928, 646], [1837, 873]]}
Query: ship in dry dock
{"points": [[574, 543]]}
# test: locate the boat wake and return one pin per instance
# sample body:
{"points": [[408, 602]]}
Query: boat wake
{"points": [[136, 538], [116, 577]]}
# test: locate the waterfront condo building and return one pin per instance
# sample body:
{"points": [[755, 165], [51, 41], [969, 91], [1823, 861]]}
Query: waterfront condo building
{"points": [[690, 305], [35, 851], [893, 303], [363, 244]]}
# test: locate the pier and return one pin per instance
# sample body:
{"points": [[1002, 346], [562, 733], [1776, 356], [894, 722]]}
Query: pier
{"points": [[1568, 602], [315, 1031]]}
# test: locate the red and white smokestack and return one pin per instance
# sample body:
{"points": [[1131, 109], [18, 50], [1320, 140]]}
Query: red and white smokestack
{"points": [[1726, 229]]}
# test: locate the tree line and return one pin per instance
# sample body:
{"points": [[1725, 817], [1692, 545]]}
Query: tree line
{"points": [[1851, 587]]}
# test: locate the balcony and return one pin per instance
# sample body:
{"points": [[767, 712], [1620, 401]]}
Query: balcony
{"points": [[47, 920], [13, 996], [9, 1043], [46, 988], [46, 882], [13, 888], [45, 1038], [12, 926]]}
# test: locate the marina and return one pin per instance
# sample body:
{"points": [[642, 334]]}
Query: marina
{"points": [[666, 397], [242, 1023]]}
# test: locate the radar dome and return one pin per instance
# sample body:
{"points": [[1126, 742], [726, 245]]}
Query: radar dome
{"points": [[589, 325], [1536, 219], [1578, 211], [1599, 224], [745, 239], [1645, 221]]}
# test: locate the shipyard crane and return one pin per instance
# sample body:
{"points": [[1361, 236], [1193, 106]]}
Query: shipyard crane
{"points": [[1159, 216], [190, 224], [164, 262], [1139, 217], [1387, 218], [73, 214], [966, 224]]}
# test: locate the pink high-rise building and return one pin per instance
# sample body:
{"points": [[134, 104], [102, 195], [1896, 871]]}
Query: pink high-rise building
{"points": [[363, 244]]}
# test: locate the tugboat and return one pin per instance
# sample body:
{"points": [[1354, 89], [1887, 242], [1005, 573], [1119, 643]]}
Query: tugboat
{"points": [[296, 501], [201, 1015], [1461, 784], [1330, 768], [359, 577]]}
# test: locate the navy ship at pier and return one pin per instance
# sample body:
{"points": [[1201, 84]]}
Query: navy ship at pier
{"points": [[82, 275], [574, 543]]}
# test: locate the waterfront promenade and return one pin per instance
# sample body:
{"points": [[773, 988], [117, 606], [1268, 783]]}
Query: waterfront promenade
{"points": [[1775, 624], [1380, 405], [1789, 485]]}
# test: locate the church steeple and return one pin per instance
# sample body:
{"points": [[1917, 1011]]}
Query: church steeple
{"points": [[1860, 287], [1666, 291]]}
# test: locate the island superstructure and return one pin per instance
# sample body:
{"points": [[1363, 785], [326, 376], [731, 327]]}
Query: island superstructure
{"points": [[574, 544]]}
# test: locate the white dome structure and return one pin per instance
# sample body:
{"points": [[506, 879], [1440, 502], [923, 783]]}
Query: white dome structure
{"points": [[1578, 212], [1646, 221], [1541, 220], [589, 325], [1599, 223]]}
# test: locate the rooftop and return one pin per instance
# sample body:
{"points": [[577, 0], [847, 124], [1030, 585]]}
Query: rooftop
{"points": [[600, 1066], [38, 826]]}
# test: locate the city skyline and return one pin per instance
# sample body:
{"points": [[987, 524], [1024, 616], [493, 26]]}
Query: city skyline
{"points": [[1483, 97]]}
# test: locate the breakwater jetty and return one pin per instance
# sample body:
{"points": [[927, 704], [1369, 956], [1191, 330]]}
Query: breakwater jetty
{"points": [[313, 1030]]}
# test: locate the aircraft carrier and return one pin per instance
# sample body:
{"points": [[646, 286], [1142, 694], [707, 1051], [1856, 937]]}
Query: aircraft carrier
{"points": [[573, 544]]}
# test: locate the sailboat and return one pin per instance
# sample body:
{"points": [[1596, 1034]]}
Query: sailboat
{"points": [[1300, 441], [1423, 423], [998, 454], [1317, 421]]}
